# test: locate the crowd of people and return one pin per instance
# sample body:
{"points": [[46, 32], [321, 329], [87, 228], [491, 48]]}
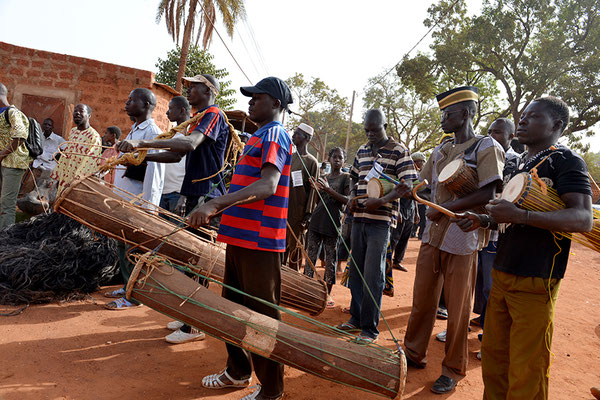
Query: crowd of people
{"points": [[280, 208]]}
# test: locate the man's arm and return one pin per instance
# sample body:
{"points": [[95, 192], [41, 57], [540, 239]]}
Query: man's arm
{"points": [[165, 157], [576, 217], [473, 200], [263, 188], [12, 146], [183, 144]]}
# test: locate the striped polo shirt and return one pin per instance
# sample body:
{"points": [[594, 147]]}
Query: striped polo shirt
{"points": [[260, 225], [397, 164]]}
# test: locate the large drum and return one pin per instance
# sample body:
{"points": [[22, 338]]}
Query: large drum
{"points": [[458, 178], [118, 214], [372, 368], [527, 193]]}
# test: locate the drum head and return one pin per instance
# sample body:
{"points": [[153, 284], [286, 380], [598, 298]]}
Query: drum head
{"points": [[450, 169], [374, 188], [515, 187]]}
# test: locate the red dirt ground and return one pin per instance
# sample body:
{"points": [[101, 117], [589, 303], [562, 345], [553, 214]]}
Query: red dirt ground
{"points": [[79, 350]]}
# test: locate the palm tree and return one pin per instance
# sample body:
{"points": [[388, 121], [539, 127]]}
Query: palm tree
{"points": [[183, 13]]}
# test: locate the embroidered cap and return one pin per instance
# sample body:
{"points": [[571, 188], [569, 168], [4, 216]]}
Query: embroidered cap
{"points": [[457, 95], [306, 129]]}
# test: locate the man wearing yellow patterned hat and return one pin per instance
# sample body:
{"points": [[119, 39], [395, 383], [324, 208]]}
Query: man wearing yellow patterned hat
{"points": [[447, 256]]}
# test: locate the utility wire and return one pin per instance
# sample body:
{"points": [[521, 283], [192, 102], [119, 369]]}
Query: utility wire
{"points": [[225, 44], [419, 42]]}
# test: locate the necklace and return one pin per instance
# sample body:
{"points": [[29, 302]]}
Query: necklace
{"points": [[525, 163]]}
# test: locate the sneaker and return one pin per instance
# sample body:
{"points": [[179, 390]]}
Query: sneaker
{"points": [[179, 336], [175, 325], [441, 336], [442, 313]]}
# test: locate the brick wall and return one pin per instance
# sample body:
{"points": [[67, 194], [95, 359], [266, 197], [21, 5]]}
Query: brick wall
{"points": [[103, 86]]}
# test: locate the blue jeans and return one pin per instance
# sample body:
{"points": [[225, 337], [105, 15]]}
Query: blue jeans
{"points": [[369, 243], [169, 201], [484, 278]]}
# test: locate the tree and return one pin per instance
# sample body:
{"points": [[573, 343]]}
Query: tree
{"points": [[529, 48], [411, 121], [593, 163], [199, 62], [321, 107], [181, 20]]}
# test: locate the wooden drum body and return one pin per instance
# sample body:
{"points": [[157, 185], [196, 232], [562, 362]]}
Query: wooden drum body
{"points": [[96, 204], [377, 188], [526, 193], [458, 178], [371, 368]]}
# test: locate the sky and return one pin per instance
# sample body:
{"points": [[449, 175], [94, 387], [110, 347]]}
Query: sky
{"points": [[342, 42]]}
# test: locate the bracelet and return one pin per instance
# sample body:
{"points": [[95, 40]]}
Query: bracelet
{"points": [[526, 217], [488, 219]]}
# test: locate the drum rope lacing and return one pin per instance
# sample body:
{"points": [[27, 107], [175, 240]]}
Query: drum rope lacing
{"points": [[383, 353], [378, 352]]}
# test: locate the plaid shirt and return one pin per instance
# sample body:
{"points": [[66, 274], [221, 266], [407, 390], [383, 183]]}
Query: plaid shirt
{"points": [[396, 162]]}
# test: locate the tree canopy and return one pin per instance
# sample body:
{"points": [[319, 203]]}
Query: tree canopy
{"points": [[321, 107], [518, 50], [199, 62], [411, 121], [187, 18]]}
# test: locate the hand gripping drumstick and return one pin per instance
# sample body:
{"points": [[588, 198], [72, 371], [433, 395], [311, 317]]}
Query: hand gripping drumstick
{"points": [[429, 203]]}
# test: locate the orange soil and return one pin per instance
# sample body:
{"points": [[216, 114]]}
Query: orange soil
{"points": [[79, 350]]}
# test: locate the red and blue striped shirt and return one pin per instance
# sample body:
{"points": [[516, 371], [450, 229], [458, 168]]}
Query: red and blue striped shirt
{"points": [[260, 225]]}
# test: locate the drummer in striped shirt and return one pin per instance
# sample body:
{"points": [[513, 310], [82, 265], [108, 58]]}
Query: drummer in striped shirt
{"points": [[373, 218], [254, 228]]}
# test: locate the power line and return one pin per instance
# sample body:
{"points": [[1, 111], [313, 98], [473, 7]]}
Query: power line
{"points": [[225, 44], [419, 42]]}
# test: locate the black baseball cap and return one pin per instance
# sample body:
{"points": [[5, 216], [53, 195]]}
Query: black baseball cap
{"points": [[272, 86]]}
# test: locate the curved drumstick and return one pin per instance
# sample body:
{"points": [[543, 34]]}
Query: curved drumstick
{"points": [[429, 203]]}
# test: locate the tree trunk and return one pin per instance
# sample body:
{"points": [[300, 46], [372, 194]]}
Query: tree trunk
{"points": [[185, 45]]}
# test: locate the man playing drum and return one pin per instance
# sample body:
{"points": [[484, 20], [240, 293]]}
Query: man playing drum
{"points": [[447, 256], [254, 228], [372, 221], [531, 260]]}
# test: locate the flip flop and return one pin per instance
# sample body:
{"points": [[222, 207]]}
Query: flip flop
{"points": [[346, 310], [215, 381], [120, 304], [115, 294]]}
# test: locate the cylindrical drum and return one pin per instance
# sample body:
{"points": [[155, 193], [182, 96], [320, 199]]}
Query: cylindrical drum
{"points": [[458, 178], [377, 188], [97, 205], [372, 368]]}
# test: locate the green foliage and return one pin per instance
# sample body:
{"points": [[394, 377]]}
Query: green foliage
{"points": [[199, 62], [515, 51], [321, 107], [593, 162], [411, 121]]}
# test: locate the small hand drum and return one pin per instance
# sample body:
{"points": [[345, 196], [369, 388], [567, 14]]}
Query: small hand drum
{"points": [[377, 188], [458, 178]]}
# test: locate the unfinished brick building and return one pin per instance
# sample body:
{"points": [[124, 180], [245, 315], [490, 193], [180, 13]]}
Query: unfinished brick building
{"points": [[44, 84]]}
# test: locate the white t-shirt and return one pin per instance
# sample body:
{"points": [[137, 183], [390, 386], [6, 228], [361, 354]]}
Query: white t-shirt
{"points": [[152, 185], [174, 174], [50, 146]]}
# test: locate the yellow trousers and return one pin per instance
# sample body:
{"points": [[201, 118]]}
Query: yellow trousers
{"points": [[518, 333]]}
